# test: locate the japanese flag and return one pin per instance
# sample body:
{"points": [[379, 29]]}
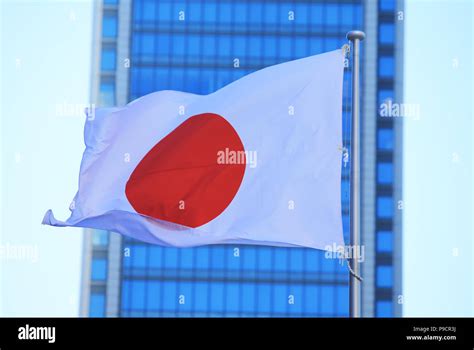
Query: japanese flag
{"points": [[256, 162]]}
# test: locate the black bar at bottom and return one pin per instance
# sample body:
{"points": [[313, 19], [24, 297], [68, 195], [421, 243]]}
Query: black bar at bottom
{"points": [[154, 333]]}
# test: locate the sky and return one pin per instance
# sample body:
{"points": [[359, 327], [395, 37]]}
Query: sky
{"points": [[46, 54], [438, 245], [39, 133]]}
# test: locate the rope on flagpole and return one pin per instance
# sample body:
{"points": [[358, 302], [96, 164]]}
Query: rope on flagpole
{"points": [[360, 279]]}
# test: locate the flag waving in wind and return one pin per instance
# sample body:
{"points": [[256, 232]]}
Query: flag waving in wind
{"points": [[256, 162]]}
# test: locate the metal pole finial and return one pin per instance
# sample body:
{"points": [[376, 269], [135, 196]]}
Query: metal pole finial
{"points": [[355, 34]]}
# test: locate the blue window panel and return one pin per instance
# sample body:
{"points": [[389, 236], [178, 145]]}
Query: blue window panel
{"points": [[327, 300], [385, 241], [297, 307], [270, 13], [385, 173], [193, 12], [240, 12], [345, 188], [194, 45], [264, 293], [255, 46], [153, 295], [233, 262], [232, 297], [384, 207], [125, 294], [255, 13], [333, 44], [296, 259], [387, 33], [107, 94], [209, 11], [149, 8], [311, 300], [147, 47], [209, 45], [224, 46], [347, 14], [248, 297], [249, 258], [99, 269], [97, 305], [202, 258], [109, 26], [316, 17], [239, 46], [384, 276], [342, 300], [163, 44], [164, 11], [301, 47], [312, 260], [384, 309], [285, 49], [193, 82], [315, 46], [359, 17], [171, 257], [387, 5], [386, 67], [179, 44], [136, 38], [100, 238], [264, 258], [218, 256], [139, 256], [269, 46], [135, 81], [176, 81], [137, 292], [186, 260], [301, 14], [170, 296], [332, 15], [145, 76], [385, 139], [109, 58], [201, 297], [155, 256], [111, 2], [225, 12], [283, 13], [127, 261], [385, 95], [328, 264], [185, 289], [280, 298], [137, 10], [217, 297], [346, 223], [280, 262]]}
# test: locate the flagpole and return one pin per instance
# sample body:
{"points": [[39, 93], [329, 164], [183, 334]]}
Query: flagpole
{"points": [[356, 36]]}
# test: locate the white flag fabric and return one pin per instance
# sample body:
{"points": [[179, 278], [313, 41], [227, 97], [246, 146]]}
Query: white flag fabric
{"points": [[256, 162]]}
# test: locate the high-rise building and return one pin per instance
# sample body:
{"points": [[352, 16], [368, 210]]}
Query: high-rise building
{"points": [[198, 47]]}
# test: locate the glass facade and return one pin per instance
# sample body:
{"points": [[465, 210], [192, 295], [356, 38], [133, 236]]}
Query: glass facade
{"points": [[199, 47], [384, 157]]}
